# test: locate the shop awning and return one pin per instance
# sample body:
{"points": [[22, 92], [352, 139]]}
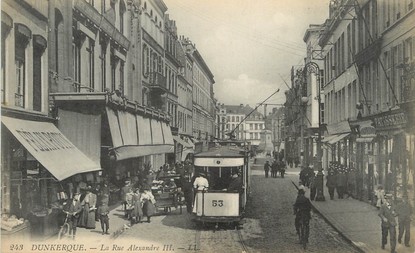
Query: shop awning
{"points": [[135, 135], [328, 138], [186, 152], [338, 138], [50, 147], [365, 139], [182, 142]]}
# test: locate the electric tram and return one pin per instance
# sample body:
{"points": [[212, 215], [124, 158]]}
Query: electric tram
{"points": [[218, 203]]}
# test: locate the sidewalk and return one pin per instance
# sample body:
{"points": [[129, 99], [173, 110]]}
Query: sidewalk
{"points": [[117, 224], [358, 222]]}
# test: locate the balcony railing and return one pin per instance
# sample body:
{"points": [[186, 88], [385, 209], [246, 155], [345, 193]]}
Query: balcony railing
{"points": [[92, 14], [158, 81], [19, 100]]}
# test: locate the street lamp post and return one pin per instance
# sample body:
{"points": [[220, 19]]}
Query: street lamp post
{"points": [[312, 67]]}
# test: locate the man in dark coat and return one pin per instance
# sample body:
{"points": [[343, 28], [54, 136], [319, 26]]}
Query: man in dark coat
{"points": [[266, 168], [341, 182], [404, 210], [388, 213], [73, 208], [235, 184], [331, 183], [188, 193]]}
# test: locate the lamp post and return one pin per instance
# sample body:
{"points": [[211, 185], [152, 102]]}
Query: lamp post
{"points": [[312, 67]]}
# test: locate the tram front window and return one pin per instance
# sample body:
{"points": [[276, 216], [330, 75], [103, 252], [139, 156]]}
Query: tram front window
{"points": [[219, 178]]}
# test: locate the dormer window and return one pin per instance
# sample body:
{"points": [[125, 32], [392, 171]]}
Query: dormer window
{"points": [[151, 13], [145, 6]]}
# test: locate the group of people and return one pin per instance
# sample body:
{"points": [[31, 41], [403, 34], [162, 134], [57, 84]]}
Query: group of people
{"points": [[275, 167], [88, 207], [388, 211], [137, 203]]}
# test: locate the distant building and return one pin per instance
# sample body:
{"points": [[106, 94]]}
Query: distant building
{"points": [[233, 118]]}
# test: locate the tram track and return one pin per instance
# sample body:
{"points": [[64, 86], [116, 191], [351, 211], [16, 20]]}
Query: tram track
{"points": [[223, 240]]}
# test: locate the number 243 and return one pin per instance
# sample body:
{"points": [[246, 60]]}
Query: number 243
{"points": [[218, 203]]}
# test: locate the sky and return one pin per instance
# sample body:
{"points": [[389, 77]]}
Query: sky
{"points": [[249, 46]]}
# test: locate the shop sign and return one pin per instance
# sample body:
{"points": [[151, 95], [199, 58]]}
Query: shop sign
{"points": [[45, 141], [391, 120]]}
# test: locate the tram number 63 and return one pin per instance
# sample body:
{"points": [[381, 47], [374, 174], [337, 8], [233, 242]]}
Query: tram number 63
{"points": [[218, 203]]}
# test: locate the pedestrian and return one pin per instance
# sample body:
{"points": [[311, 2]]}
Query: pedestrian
{"points": [[304, 176], [274, 169], [137, 212], [282, 168], [331, 183], [73, 208], [188, 193], [341, 184], [266, 168], [103, 212], [388, 213], [404, 211], [89, 205], [313, 188], [148, 201], [380, 196], [129, 199], [124, 190]]}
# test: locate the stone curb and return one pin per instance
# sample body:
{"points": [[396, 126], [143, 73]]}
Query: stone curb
{"points": [[341, 233]]}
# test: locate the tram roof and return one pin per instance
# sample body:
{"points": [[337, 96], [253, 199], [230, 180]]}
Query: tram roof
{"points": [[222, 151]]}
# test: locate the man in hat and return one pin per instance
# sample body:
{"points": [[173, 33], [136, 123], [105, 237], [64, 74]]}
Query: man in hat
{"points": [[404, 210], [236, 183], [73, 208], [387, 213]]}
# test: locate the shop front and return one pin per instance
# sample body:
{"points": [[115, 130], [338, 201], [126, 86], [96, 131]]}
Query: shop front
{"points": [[127, 139], [396, 146], [39, 164]]}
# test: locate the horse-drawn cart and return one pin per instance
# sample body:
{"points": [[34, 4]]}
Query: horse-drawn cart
{"points": [[167, 193]]}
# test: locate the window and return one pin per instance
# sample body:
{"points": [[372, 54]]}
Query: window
{"points": [[21, 41], [3, 65], [113, 71], [103, 59], [146, 60], [91, 67], [251, 127], [103, 6], [39, 46], [122, 11], [76, 50], [251, 136], [233, 118], [122, 77]]}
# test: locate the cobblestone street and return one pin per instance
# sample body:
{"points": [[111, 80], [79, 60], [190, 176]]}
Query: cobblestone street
{"points": [[268, 226]]}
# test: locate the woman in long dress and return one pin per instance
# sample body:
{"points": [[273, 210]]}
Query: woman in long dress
{"points": [[137, 213], [88, 214], [148, 201]]}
